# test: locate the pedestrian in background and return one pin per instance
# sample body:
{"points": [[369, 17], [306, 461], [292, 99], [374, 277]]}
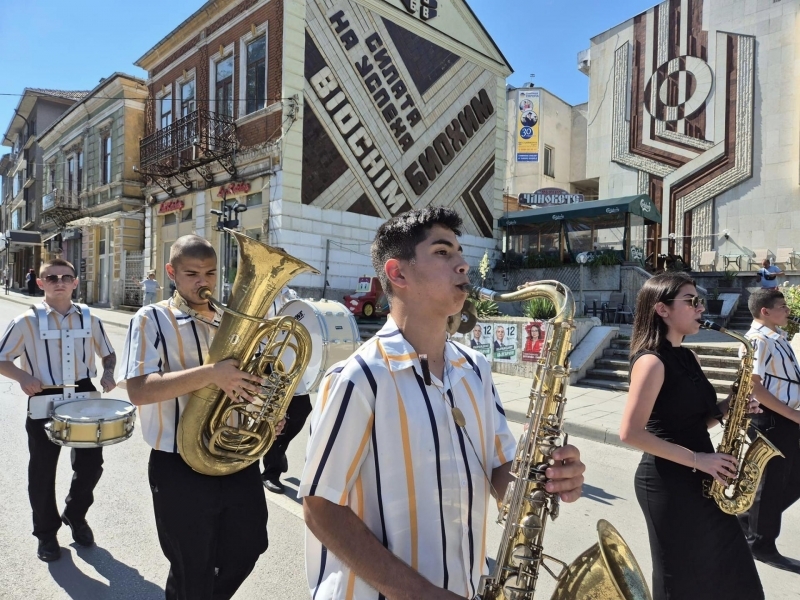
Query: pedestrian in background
{"points": [[150, 287], [768, 275], [30, 281]]}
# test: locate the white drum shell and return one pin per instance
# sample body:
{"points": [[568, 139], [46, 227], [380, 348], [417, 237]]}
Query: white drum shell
{"points": [[334, 335]]}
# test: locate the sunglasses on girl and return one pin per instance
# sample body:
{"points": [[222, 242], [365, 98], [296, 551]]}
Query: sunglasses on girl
{"points": [[55, 278], [695, 301]]}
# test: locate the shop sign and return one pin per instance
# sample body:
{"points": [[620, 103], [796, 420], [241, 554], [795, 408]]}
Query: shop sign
{"points": [[645, 205], [550, 197], [233, 189], [170, 206]]}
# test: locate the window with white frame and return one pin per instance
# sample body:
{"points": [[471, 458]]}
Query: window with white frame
{"points": [[79, 172], [105, 157], [52, 178], [254, 199], [256, 74], [549, 168], [223, 88], [188, 102], [166, 110], [70, 175]]}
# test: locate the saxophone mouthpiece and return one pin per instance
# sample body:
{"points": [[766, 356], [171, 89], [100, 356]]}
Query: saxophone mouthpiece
{"points": [[706, 324]]}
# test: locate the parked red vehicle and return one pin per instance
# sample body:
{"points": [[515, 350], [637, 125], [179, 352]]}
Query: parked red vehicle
{"points": [[368, 299]]}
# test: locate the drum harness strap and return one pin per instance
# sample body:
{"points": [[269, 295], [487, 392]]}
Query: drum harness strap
{"points": [[41, 407]]}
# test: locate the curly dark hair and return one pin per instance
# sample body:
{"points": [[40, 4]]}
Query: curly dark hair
{"points": [[399, 236]]}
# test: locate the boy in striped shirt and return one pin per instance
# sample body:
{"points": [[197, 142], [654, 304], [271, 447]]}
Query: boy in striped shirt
{"points": [[396, 493], [776, 385], [39, 374]]}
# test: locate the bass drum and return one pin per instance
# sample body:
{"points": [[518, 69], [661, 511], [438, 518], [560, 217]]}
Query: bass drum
{"points": [[334, 335]]}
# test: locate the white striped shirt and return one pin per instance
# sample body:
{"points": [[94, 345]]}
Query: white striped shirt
{"points": [[42, 358], [775, 362], [386, 445], [163, 338]]}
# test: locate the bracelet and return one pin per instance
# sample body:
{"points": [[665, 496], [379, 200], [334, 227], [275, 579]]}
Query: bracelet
{"points": [[694, 469]]}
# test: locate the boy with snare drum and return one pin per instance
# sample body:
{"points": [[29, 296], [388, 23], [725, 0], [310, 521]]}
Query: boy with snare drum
{"points": [[56, 342]]}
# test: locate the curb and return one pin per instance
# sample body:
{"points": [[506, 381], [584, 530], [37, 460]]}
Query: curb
{"points": [[25, 302], [604, 435]]}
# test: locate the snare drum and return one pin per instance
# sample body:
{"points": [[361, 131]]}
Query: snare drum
{"points": [[334, 335], [91, 423]]}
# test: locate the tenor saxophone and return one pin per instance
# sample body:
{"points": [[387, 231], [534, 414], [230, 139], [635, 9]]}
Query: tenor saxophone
{"points": [[220, 435], [608, 569], [738, 494]]}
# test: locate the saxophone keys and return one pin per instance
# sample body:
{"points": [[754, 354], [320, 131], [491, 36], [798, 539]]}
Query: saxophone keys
{"points": [[530, 526]]}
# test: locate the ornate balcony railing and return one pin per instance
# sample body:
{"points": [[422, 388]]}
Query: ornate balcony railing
{"points": [[197, 139], [60, 199]]}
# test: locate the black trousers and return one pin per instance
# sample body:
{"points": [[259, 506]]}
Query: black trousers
{"points": [[211, 529], [87, 467], [275, 461], [780, 485]]}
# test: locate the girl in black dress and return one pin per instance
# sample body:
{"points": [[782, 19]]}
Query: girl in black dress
{"points": [[698, 552]]}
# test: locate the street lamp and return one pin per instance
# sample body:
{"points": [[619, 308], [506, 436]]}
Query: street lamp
{"points": [[582, 259], [227, 219]]}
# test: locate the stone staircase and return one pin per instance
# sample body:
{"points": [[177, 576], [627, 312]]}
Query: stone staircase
{"points": [[610, 372], [741, 319]]}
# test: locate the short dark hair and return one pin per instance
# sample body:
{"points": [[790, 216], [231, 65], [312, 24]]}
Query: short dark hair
{"points": [[763, 299], [399, 236], [191, 246], [57, 262]]}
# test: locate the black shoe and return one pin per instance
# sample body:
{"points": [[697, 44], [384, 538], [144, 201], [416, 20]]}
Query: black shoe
{"points": [[49, 550], [81, 532], [274, 485], [777, 560]]}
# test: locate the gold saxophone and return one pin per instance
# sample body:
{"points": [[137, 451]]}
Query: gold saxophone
{"points": [[218, 435], [737, 497], [608, 569]]}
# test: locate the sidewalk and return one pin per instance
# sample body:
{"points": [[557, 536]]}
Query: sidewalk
{"points": [[115, 318], [590, 413]]}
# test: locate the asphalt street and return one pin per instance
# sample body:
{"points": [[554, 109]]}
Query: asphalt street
{"points": [[127, 562]]}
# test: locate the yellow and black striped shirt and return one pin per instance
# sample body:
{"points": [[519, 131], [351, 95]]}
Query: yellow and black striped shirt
{"points": [[386, 445]]}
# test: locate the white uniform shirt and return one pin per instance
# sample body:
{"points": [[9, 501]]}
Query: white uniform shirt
{"points": [[42, 358], [163, 338], [386, 445], [775, 362]]}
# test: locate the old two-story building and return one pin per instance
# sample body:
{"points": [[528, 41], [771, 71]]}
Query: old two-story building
{"points": [[310, 123], [93, 209], [23, 178], [694, 102]]}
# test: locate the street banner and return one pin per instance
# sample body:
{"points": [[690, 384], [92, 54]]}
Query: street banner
{"points": [[535, 335], [528, 126], [505, 342], [480, 339]]}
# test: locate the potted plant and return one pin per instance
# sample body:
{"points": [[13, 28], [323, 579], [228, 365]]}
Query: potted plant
{"points": [[729, 278], [714, 304]]}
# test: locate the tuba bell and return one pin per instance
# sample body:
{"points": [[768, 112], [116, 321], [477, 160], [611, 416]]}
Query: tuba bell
{"points": [[218, 435]]}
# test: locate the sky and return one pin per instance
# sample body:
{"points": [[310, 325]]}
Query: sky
{"points": [[72, 45]]}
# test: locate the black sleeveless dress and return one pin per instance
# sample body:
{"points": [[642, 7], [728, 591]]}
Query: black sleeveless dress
{"points": [[698, 551]]}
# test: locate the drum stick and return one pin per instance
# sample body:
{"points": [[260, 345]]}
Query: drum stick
{"points": [[58, 387]]}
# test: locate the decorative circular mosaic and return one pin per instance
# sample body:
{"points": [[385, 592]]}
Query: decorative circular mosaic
{"points": [[690, 77]]}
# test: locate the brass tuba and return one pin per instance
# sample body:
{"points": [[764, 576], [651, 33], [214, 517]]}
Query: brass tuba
{"points": [[608, 569], [738, 496], [218, 435]]}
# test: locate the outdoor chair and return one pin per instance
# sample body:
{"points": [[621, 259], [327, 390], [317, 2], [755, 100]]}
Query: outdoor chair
{"points": [[761, 254], [708, 259], [618, 309], [785, 258], [592, 305]]}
